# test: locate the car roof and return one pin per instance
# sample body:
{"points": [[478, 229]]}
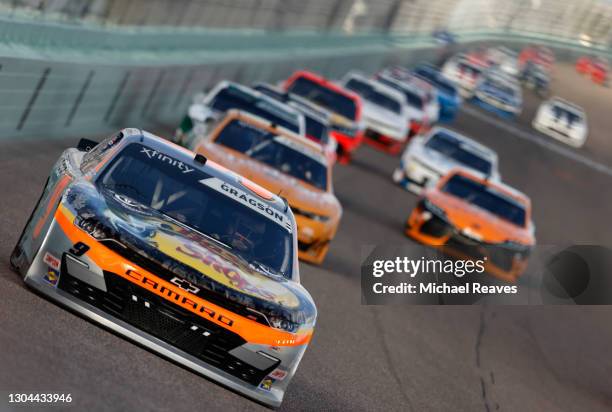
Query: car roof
{"points": [[314, 149], [326, 83], [255, 93], [132, 135], [376, 85]]}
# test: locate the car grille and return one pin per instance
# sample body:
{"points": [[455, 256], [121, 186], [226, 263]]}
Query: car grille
{"points": [[160, 271], [371, 134], [435, 227], [146, 311]]}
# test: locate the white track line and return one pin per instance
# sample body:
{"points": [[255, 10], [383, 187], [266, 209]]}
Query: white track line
{"points": [[539, 140]]}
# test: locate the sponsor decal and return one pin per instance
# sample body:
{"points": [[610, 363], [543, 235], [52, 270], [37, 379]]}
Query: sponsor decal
{"points": [[52, 261], [220, 265], [52, 276], [278, 374], [185, 285], [267, 383], [180, 299], [248, 200], [162, 157]]}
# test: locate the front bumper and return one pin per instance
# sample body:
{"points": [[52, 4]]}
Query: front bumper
{"points": [[558, 134], [314, 238], [434, 231], [383, 142], [414, 176], [162, 325]]}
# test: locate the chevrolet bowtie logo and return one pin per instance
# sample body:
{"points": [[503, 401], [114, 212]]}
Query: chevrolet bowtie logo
{"points": [[185, 285]]}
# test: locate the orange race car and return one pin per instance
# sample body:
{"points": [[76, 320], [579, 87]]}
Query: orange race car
{"points": [[470, 217], [284, 163], [595, 67]]}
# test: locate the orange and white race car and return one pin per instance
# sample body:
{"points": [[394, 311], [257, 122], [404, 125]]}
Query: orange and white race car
{"points": [[467, 216], [284, 163]]}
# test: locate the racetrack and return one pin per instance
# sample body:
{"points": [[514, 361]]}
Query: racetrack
{"points": [[362, 357]]}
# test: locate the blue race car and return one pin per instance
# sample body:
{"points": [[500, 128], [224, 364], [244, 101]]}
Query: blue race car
{"points": [[448, 95], [499, 94]]}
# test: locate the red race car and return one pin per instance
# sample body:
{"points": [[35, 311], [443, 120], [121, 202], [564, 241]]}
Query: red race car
{"points": [[343, 105], [594, 67]]}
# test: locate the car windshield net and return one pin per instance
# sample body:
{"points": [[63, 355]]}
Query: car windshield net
{"points": [[325, 97], [250, 229], [486, 198], [233, 98], [370, 94], [279, 152], [456, 150]]}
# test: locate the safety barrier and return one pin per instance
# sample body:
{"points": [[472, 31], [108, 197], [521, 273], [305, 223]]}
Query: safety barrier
{"points": [[65, 80]]}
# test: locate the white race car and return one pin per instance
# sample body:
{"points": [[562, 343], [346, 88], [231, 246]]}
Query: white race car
{"points": [[416, 99], [406, 77], [563, 121], [429, 157], [384, 112], [463, 73]]}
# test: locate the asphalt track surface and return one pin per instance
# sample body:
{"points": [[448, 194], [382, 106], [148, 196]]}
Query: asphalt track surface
{"points": [[362, 357]]}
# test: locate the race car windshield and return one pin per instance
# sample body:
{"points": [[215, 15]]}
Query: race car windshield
{"points": [[451, 147], [412, 98], [370, 94], [486, 198], [324, 97], [234, 98], [316, 129], [571, 116], [160, 182], [279, 152]]}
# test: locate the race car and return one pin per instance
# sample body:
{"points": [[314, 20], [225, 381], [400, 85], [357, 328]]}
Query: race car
{"points": [[499, 94], [384, 114], [596, 68], [316, 119], [504, 59], [448, 94], [464, 74], [540, 56], [176, 253], [413, 84], [284, 163], [344, 106], [562, 120], [535, 76], [415, 103], [469, 217], [428, 158], [206, 110]]}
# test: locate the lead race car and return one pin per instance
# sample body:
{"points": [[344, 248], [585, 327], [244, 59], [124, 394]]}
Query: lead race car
{"points": [[176, 253]]}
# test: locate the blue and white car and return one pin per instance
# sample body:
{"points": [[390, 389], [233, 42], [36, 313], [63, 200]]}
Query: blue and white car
{"points": [[499, 94], [427, 158], [448, 94]]}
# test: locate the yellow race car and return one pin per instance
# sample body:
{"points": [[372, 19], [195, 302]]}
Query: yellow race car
{"points": [[286, 164]]}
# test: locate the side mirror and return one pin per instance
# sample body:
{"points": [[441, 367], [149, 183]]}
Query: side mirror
{"points": [[85, 145]]}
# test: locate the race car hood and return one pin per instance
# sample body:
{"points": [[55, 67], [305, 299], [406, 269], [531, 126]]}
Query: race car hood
{"points": [[163, 243], [478, 223], [375, 115], [299, 194]]}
